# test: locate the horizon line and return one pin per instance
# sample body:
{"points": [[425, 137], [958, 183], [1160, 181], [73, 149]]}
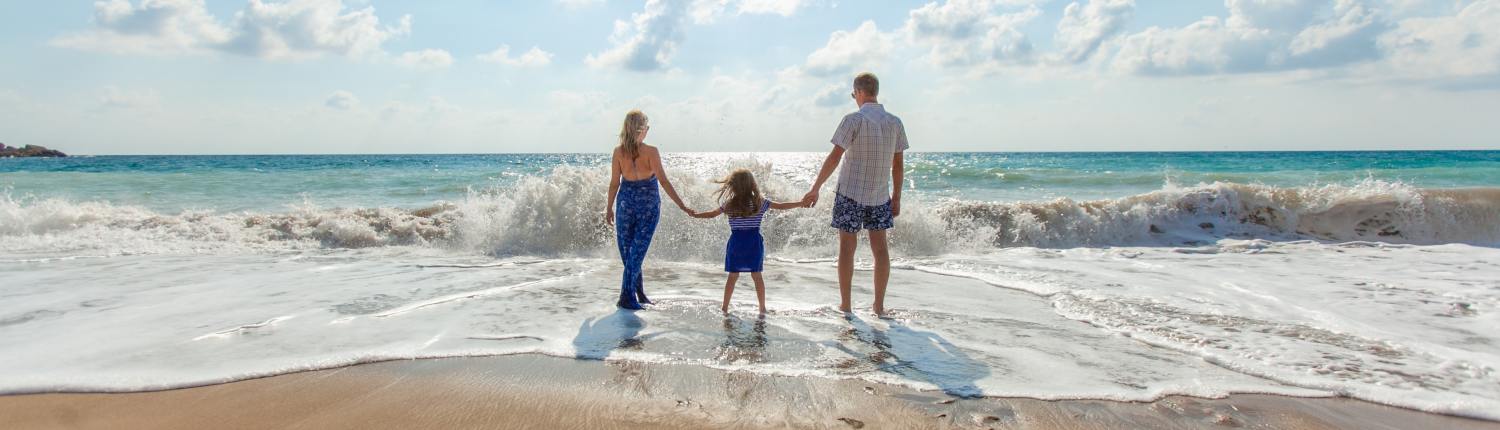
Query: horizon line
{"points": [[1221, 151]]}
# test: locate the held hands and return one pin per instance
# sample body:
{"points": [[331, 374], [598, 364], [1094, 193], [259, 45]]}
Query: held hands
{"points": [[895, 207], [810, 199], [689, 211], [609, 216]]}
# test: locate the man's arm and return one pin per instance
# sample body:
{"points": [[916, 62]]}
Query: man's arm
{"points": [[787, 205], [830, 163], [897, 172]]}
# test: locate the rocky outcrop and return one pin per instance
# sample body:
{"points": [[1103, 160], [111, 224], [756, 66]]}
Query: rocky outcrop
{"points": [[29, 151]]}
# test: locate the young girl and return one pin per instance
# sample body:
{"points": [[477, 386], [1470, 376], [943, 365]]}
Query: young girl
{"points": [[741, 200]]}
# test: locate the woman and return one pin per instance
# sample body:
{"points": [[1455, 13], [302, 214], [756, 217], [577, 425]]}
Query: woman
{"points": [[634, 172]]}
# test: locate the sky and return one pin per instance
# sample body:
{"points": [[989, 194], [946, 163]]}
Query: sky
{"points": [[471, 76]]}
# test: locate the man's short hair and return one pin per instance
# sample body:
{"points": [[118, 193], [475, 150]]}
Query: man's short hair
{"points": [[867, 83]]}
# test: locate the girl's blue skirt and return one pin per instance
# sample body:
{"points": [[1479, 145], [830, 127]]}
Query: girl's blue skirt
{"points": [[746, 251]]}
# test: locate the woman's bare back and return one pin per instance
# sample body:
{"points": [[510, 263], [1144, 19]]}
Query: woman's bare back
{"points": [[642, 167]]}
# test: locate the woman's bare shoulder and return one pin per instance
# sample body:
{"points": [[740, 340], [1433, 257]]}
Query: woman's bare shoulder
{"points": [[649, 152]]}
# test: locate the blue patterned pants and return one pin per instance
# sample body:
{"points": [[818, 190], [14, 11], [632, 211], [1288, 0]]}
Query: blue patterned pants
{"points": [[637, 209]]}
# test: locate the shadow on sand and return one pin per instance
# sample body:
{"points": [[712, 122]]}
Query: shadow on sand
{"points": [[619, 330], [913, 354]]}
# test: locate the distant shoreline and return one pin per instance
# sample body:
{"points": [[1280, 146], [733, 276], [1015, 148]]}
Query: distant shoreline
{"points": [[29, 151]]}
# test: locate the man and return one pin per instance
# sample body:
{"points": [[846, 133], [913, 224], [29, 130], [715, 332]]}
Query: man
{"points": [[870, 142]]}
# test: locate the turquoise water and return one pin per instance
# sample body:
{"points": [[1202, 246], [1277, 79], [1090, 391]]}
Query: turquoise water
{"points": [[1123, 276], [273, 182]]}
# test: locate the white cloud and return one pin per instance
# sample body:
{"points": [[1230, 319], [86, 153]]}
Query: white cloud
{"points": [[1258, 36], [1465, 46], [291, 29], [971, 32], [1205, 46], [1273, 14], [708, 11], [833, 95], [535, 57], [955, 19], [778, 7], [427, 59], [154, 27], [306, 28], [865, 47], [1349, 37], [648, 41], [341, 100], [1084, 27]]}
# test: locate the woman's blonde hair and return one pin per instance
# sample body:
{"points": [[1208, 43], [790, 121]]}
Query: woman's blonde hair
{"points": [[630, 132], [739, 194]]}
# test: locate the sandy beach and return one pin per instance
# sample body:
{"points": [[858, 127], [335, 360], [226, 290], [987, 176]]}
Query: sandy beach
{"points": [[533, 391]]}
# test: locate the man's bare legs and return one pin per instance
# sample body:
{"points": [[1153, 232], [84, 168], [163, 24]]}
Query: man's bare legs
{"points": [[847, 244], [882, 255], [760, 291], [729, 290]]}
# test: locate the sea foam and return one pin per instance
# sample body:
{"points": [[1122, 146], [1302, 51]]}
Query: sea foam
{"points": [[561, 214], [1377, 290]]}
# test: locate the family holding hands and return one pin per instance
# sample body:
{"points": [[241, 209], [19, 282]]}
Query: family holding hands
{"points": [[868, 143]]}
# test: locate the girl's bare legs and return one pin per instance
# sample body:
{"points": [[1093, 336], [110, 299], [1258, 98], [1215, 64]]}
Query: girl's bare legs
{"points": [[760, 291], [729, 291]]}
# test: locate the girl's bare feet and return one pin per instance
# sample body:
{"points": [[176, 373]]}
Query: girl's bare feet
{"points": [[724, 308]]}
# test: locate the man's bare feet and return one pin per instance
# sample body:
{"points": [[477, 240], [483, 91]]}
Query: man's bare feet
{"points": [[724, 308]]}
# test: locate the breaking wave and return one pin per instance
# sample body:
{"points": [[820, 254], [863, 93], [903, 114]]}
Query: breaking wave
{"points": [[562, 214]]}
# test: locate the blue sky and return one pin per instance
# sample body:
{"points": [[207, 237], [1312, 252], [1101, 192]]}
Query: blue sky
{"points": [[385, 76]]}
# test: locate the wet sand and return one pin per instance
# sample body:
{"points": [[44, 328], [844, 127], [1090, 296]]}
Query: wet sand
{"points": [[533, 391]]}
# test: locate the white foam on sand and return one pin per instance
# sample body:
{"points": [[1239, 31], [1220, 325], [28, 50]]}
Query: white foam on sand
{"points": [[1379, 291], [1405, 325]]}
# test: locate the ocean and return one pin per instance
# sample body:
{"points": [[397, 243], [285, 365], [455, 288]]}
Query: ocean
{"points": [[1123, 276]]}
